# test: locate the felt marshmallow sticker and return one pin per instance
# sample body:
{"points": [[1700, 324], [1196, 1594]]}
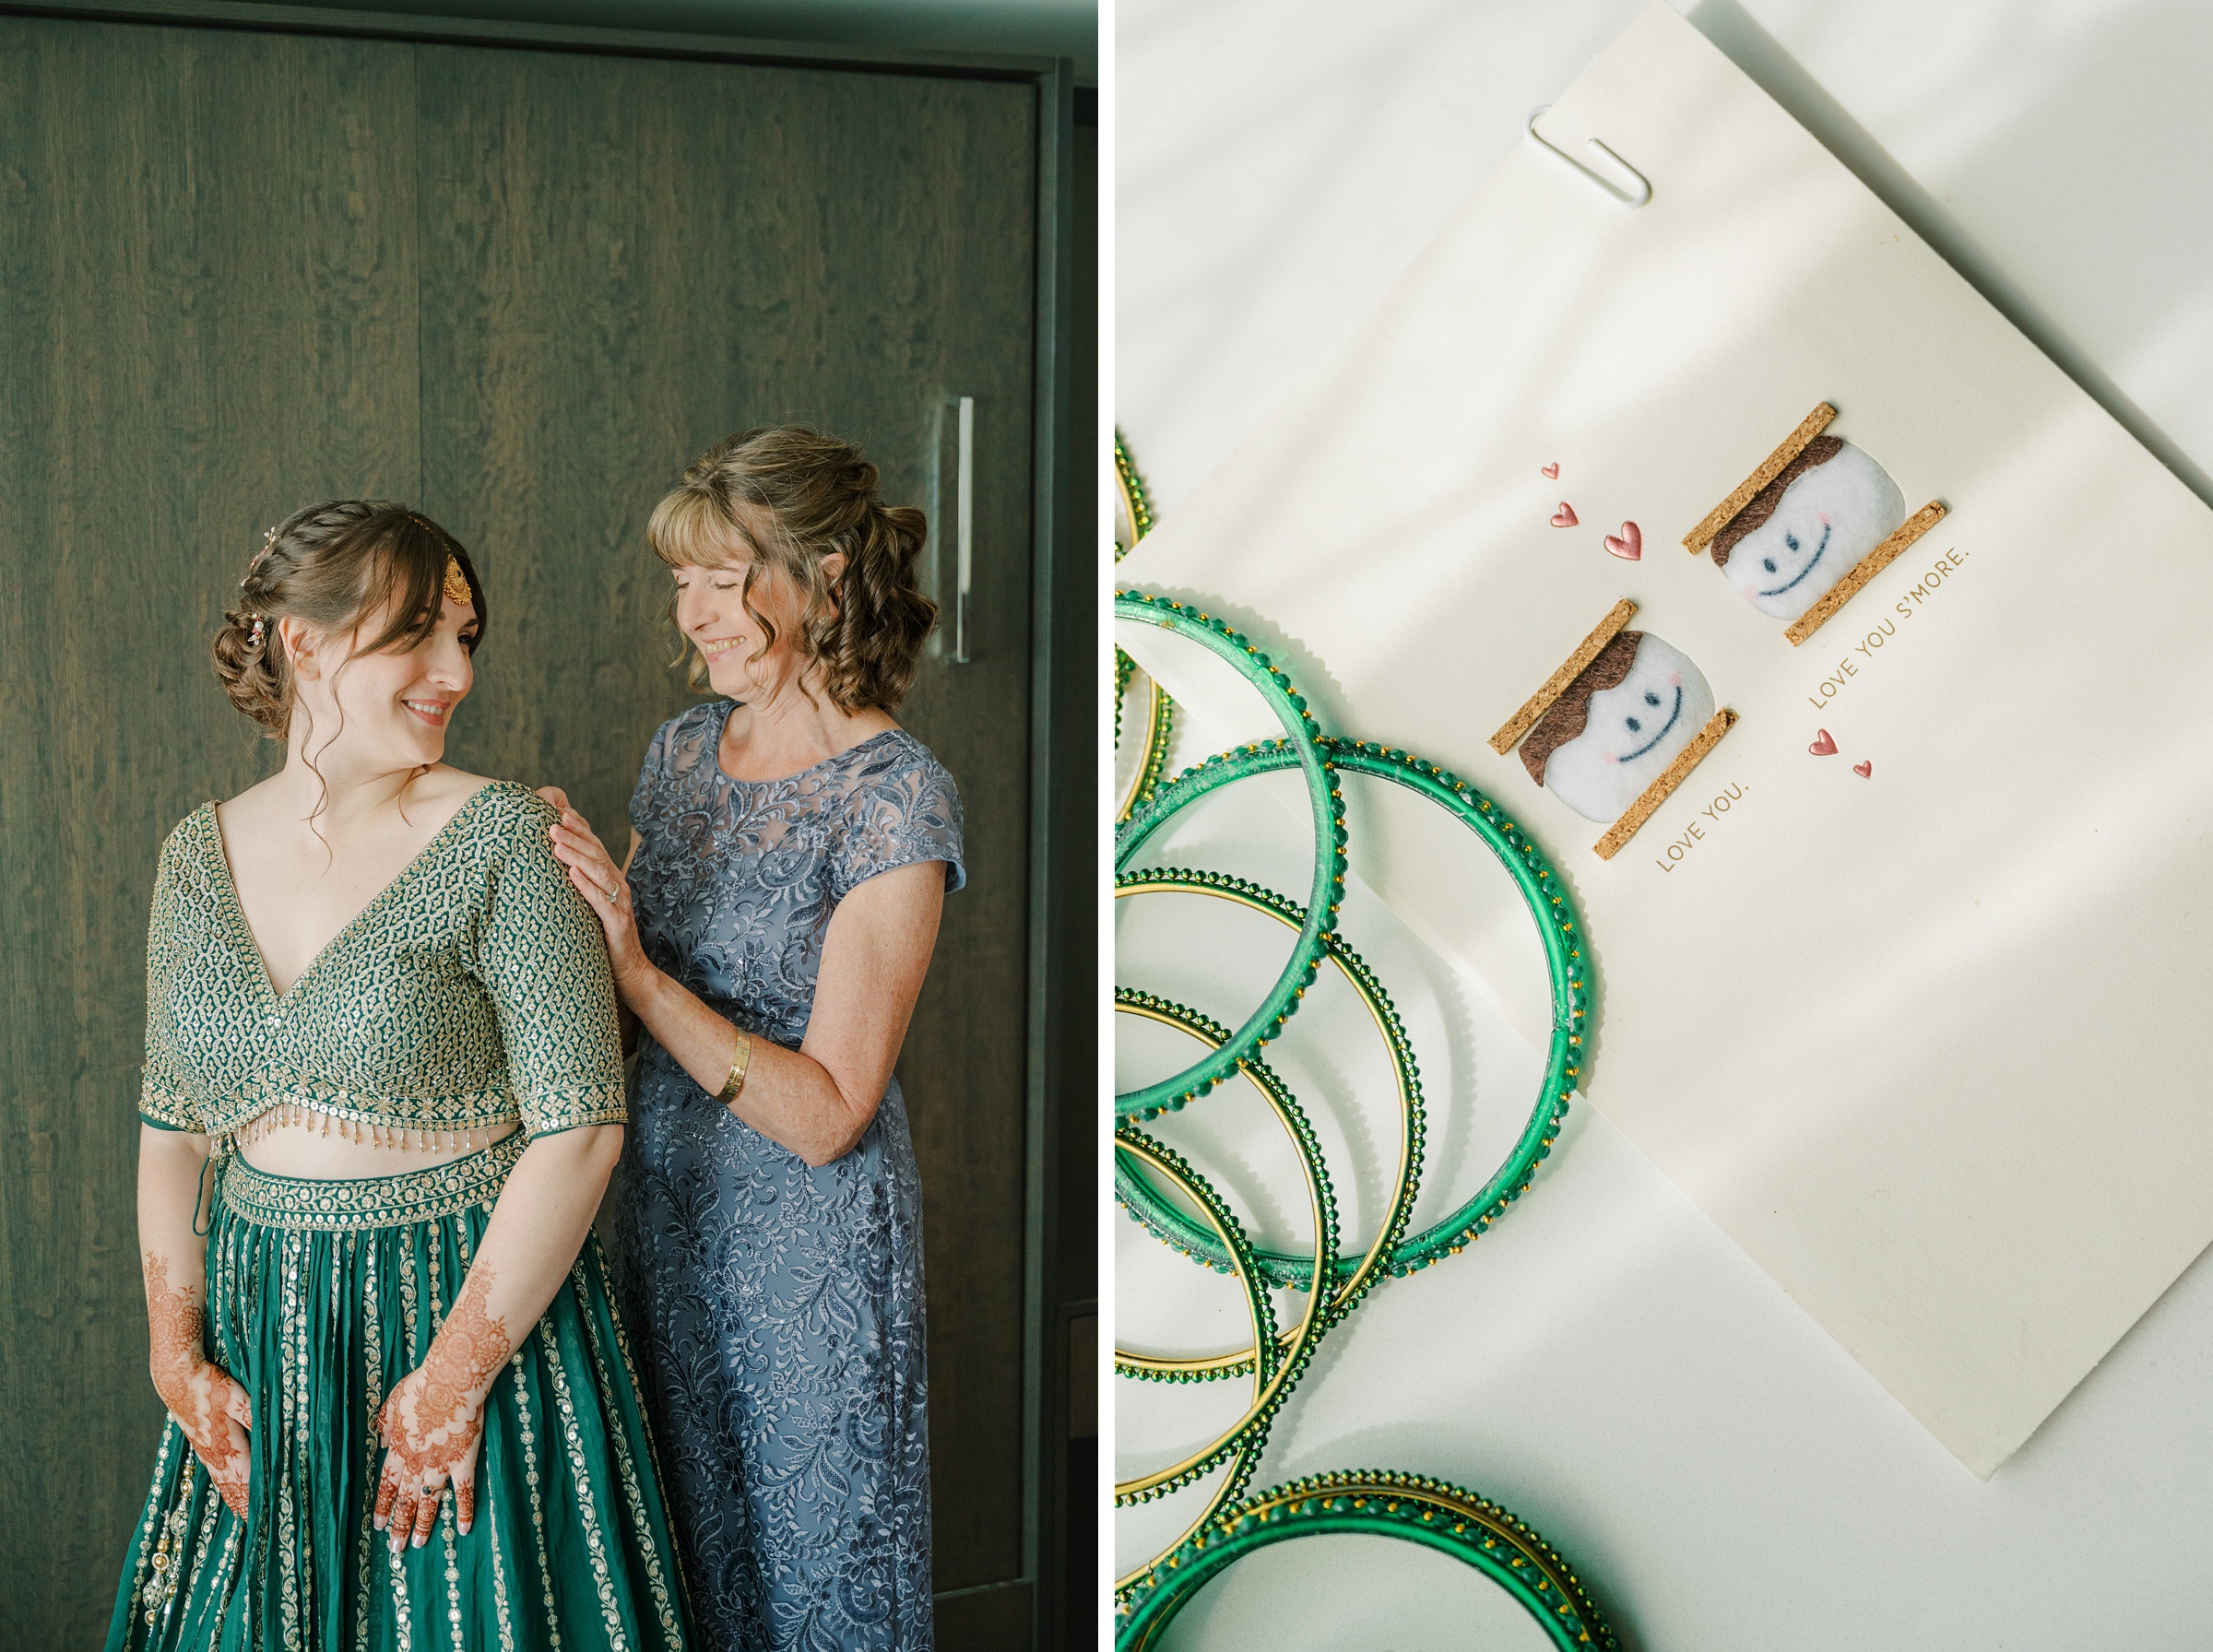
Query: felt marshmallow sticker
{"points": [[1808, 527], [1617, 727], [1816, 522]]}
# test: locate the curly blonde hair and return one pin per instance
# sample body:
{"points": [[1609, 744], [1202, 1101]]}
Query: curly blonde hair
{"points": [[787, 498]]}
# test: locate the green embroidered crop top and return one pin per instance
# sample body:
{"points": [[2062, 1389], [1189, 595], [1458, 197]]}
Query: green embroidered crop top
{"points": [[472, 989]]}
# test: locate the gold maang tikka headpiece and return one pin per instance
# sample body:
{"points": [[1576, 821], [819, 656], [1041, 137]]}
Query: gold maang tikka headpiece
{"points": [[456, 582]]}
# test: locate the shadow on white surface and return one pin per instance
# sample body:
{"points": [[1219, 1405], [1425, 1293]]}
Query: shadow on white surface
{"points": [[1605, 1361]]}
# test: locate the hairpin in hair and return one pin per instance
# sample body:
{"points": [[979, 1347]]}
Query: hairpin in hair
{"points": [[253, 637], [268, 544], [457, 583]]}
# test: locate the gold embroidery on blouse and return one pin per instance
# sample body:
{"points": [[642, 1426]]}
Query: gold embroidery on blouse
{"points": [[471, 990]]}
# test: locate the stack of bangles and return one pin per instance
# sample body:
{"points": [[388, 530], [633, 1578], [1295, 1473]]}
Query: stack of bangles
{"points": [[1170, 1197]]}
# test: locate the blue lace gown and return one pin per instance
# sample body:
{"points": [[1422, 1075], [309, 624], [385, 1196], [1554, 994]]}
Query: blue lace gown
{"points": [[779, 1308]]}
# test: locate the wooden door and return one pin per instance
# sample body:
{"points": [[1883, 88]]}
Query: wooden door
{"points": [[622, 261], [242, 270]]}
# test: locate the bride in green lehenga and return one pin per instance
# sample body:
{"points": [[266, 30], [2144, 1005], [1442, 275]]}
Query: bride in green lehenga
{"points": [[383, 1094]]}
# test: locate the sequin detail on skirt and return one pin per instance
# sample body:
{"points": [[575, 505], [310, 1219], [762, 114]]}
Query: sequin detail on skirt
{"points": [[297, 1204], [323, 1294]]}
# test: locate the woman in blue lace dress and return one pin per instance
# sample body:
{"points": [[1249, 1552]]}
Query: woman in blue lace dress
{"points": [[791, 848]]}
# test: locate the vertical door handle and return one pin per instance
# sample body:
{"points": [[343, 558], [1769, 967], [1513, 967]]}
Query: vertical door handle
{"points": [[964, 517]]}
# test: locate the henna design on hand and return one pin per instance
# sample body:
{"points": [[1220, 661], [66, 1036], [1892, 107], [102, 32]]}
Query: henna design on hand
{"points": [[209, 1405], [434, 1421]]}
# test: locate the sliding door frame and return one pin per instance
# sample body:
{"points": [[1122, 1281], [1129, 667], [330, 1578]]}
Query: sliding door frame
{"points": [[1061, 916]]}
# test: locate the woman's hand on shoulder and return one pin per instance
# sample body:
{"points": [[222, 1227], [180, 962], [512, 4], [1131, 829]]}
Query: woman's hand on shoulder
{"points": [[605, 887]]}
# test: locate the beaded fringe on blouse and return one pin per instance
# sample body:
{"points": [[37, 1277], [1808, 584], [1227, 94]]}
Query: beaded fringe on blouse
{"points": [[322, 1295], [322, 1121]]}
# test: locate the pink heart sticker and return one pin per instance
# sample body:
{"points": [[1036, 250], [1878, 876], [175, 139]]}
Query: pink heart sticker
{"points": [[1864, 770], [1823, 746], [1629, 545], [1564, 516], [1552, 469]]}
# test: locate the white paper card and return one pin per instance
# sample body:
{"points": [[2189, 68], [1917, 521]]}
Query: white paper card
{"points": [[1923, 1041]]}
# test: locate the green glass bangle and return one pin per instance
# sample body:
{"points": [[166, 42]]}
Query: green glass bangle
{"points": [[1259, 1313], [1137, 505], [1160, 728], [1278, 1368], [1240, 1258], [1301, 747], [1433, 1512], [1542, 891], [1354, 1275], [1427, 1511], [1160, 711]]}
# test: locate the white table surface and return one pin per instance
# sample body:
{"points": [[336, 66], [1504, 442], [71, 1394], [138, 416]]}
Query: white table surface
{"points": [[1605, 1361]]}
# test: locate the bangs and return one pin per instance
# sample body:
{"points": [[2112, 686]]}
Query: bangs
{"points": [[690, 528], [404, 577]]}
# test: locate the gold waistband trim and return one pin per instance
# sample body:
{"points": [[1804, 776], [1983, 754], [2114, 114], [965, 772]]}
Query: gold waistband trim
{"points": [[304, 1203]]}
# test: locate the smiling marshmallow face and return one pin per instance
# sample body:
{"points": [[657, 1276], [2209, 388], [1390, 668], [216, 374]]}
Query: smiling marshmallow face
{"points": [[1634, 730], [1829, 516]]}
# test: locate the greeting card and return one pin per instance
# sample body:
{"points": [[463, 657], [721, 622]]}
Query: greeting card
{"points": [[1884, 804]]}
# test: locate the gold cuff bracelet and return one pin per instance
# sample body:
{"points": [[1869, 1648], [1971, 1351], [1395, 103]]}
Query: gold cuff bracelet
{"points": [[735, 1081]]}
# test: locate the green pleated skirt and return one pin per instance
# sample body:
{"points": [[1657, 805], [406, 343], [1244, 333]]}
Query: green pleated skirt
{"points": [[322, 1295]]}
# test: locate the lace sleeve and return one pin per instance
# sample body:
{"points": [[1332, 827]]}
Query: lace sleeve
{"points": [[901, 809], [543, 961], [649, 771], [167, 1099]]}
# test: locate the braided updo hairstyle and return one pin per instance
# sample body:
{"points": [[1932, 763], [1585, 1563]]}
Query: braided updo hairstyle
{"points": [[333, 566], [786, 497]]}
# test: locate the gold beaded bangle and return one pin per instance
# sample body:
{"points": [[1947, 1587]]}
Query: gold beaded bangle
{"points": [[735, 1081]]}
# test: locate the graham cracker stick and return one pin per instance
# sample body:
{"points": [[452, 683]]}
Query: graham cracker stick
{"points": [[1622, 830], [1538, 703], [1700, 536], [1868, 566]]}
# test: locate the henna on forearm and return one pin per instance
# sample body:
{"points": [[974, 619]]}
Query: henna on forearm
{"points": [[194, 1391], [435, 1419]]}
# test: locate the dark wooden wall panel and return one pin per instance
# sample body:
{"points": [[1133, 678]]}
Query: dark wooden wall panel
{"points": [[206, 318]]}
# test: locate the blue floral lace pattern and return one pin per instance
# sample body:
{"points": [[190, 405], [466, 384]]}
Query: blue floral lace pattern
{"points": [[779, 1306]]}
